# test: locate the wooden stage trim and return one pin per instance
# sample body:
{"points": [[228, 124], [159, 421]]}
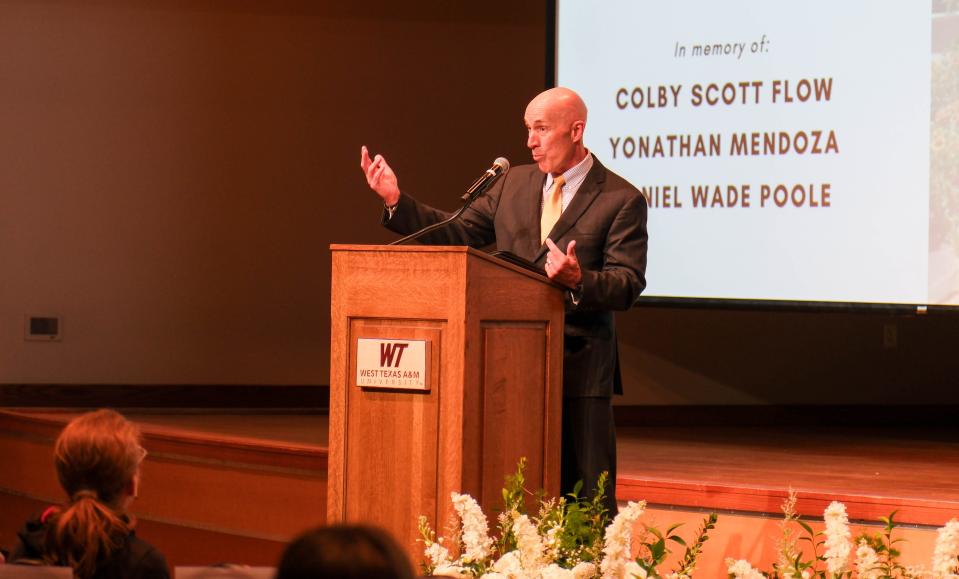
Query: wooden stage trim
{"points": [[193, 478], [743, 469], [752, 469], [759, 500], [188, 443]]}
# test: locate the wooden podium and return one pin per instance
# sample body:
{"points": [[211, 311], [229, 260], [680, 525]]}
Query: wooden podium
{"points": [[492, 334]]}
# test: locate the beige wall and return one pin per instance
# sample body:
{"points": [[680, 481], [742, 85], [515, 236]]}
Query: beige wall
{"points": [[172, 173]]}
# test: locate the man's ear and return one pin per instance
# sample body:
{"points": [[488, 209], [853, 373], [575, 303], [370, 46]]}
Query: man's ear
{"points": [[576, 131]]}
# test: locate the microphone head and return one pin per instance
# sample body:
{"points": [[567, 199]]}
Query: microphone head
{"points": [[501, 165]]}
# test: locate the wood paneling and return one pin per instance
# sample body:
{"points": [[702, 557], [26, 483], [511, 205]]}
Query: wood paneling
{"points": [[513, 418], [392, 437]]}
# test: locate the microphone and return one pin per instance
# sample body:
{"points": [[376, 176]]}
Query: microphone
{"points": [[500, 167], [485, 181]]}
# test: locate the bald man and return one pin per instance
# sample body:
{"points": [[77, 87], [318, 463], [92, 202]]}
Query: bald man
{"points": [[586, 226]]}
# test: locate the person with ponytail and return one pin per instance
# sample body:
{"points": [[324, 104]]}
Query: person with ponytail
{"points": [[97, 459]]}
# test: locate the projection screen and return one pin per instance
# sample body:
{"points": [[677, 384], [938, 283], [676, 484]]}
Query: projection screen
{"points": [[790, 151]]}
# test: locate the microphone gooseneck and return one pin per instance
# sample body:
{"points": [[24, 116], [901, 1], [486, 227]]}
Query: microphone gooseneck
{"points": [[486, 180], [499, 168]]}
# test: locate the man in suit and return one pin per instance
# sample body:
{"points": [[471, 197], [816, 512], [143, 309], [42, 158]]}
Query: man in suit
{"points": [[586, 226]]}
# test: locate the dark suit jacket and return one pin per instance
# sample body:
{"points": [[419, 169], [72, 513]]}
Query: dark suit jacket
{"points": [[607, 218]]}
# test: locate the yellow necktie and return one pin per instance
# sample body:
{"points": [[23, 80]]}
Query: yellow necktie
{"points": [[552, 208]]}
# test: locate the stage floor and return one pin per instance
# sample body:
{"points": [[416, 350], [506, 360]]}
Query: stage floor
{"points": [[716, 468]]}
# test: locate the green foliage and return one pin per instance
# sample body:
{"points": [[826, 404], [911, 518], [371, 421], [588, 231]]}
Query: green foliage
{"points": [[654, 552], [573, 528], [515, 488], [885, 547], [657, 549], [584, 522], [692, 552], [579, 521], [514, 505], [427, 537], [791, 562]]}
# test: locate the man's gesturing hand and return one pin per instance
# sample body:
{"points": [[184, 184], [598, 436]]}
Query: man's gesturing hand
{"points": [[563, 268], [380, 177]]}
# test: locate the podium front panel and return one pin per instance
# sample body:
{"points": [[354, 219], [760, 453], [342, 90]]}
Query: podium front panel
{"points": [[514, 418], [392, 436]]}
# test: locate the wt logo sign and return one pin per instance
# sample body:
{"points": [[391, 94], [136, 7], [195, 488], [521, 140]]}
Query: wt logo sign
{"points": [[388, 350], [392, 364]]}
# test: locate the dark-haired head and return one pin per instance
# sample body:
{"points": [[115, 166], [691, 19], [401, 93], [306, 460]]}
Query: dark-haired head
{"points": [[344, 552]]}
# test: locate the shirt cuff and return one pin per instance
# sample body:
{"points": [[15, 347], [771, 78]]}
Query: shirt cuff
{"points": [[390, 210], [576, 294]]}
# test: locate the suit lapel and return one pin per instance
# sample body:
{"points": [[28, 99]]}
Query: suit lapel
{"points": [[533, 205], [584, 197]]}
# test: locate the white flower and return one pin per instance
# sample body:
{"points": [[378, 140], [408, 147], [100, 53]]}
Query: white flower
{"points": [[741, 569], [476, 540], [509, 564], [529, 543], [618, 542], [632, 569], [494, 575], [867, 562], [438, 555], [947, 549], [584, 570], [555, 572], [837, 538], [551, 543]]}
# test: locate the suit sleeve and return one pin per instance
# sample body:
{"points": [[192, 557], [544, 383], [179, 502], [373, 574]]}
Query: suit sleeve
{"points": [[473, 228], [622, 279]]}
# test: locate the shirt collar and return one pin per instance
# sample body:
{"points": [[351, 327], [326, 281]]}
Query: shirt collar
{"points": [[574, 174]]}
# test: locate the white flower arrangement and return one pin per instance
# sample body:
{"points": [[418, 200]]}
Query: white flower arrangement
{"points": [[531, 559], [837, 538], [475, 533], [867, 561], [876, 555], [741, 569], [945, 558], [618, 542], [568, 539]]}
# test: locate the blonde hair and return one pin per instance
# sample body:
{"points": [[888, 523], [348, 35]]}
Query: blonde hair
{"points": [[96, 456]]}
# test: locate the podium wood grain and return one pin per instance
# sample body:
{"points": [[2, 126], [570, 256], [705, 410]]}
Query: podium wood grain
{"points": [[495, 384]]}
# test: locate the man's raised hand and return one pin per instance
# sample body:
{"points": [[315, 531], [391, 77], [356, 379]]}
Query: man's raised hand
{"points": [[380, 177]]}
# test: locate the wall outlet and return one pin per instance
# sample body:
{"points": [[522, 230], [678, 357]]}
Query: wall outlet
{"points": [[42, 328]]}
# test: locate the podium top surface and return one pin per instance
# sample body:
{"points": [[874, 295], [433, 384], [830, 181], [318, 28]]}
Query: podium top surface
{"points": [[463, 249]]}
